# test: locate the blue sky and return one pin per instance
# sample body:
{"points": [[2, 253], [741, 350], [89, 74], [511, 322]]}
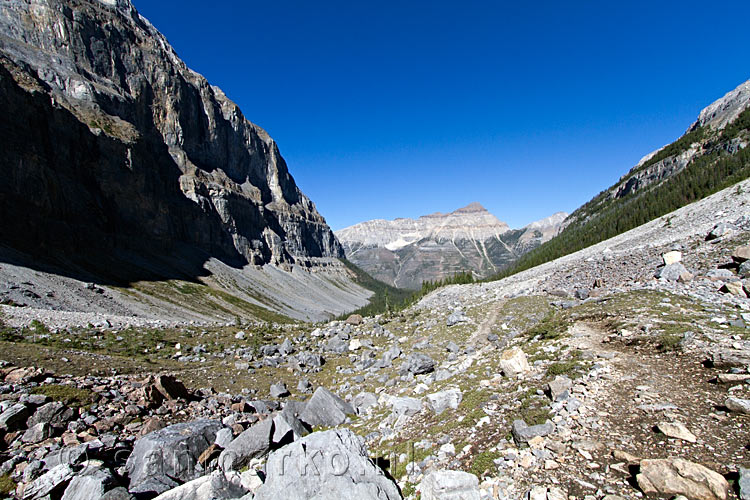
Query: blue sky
{"points": [[398, 109]]}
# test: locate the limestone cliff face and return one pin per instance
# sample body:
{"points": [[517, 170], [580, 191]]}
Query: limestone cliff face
{"points": [[110, 141]]}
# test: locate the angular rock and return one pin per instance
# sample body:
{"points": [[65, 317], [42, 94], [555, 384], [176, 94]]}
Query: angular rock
{"points": [[286, 426], [166, 456], [405, 406], [279, 390], [224, 437], [214, 486], [89, 485], [456, 317], [744, 483], [671, 272], [559, 388], [50, 483], [255, 442], [738, 405], [118, 493], [330, 464], [13, 418], [37, 433], [672, 257], [449, 485], [513, 362], [364, 401], [734, 288], [677, 476], [304, 386], [720, 230], [523, 433], [56, 414], [354, 319], [741, 254], [441, 401], [676, 430], [325, 409], [170, 387], [418, 364]]}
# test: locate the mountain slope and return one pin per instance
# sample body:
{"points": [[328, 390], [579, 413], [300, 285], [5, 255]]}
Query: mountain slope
{"points": [[710, 156], [121, 165], [407, 252]]}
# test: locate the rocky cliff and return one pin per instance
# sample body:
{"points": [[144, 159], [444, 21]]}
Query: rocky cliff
{"points": [[110, 141], [406, 252], [121, 166]]}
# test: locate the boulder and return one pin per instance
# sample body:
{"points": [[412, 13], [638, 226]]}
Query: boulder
{"points": [[89, 485], [37, 433], [513, 362], [405, 406], [254, 442], [13, 418], [418, 364], [559, 388], [741, 254], [118, 493], [720, 230], [56, 414], [354, 319], [51, 483], [279, 390], [734, 288], [672, 257], [441, 401], [330, 464], [672, 272], [214, 486], [744, 483], [744, 269], [676, 476], [325, 409], [456, 318], [523, 433], [287, 427], [364, 401], [676, 430], [738, 405], [304, 386], [449, 485], [162, 458], [170, 387]]}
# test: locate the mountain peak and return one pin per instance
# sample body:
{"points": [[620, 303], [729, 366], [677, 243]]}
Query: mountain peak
{"points": [[471, 208]]}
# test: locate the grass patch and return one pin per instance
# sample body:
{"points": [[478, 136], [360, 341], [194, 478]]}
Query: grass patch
{"points": [[7, 485], [563, 368], [75, 397], [553, 326], [669, 342], [483, 463]]}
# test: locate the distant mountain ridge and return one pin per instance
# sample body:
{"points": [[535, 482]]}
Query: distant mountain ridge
{"points": [[711, 155], [405, 252]]}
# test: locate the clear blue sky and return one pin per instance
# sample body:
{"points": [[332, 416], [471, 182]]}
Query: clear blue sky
{"points": [[398, 109]]}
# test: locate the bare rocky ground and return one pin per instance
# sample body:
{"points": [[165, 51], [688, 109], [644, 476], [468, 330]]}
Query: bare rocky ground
{"points": [[584, 378]]}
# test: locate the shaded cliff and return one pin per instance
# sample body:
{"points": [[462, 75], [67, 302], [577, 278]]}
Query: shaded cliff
{"points": [[110, 146]]}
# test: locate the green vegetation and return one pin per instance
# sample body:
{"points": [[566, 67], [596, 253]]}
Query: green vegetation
{"points": [[7, 486], [669, 342], [391, 299], [603, 218], [484, 463], [562, 368], [677, 147], [551, 327], [75, 397], [733, 129]]}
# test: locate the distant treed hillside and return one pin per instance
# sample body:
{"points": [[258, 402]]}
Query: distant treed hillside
{"points": [[700, 163]]}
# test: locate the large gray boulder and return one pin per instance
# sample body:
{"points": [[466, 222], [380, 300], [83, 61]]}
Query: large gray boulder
{"points": [[449, 485], [214, 486], [443, 400], [325, 409], [13, 418], [524, 433], [418, 364], [51, 483], [252, 443], [669, 477], [325, 465], [672, 272], [162, 458], [90, 485]]}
